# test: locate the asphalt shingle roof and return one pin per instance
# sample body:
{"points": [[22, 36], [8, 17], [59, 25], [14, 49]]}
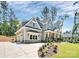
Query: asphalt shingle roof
{"points": [[24, 22]]}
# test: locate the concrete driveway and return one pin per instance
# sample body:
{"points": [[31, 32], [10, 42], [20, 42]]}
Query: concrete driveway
{"points": [[13, 50]]}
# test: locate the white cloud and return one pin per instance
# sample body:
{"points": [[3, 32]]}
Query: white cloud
{"points": [[25, 7], [28, 9], [32, 7], [18, 2]]}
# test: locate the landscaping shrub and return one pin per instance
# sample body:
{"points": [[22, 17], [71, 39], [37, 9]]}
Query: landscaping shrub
{"points": [[59, 39], [47, 43], [55, 51], [42, 55], [72, 40], [43, 46], [15, 40], [40, 49], [47, 50]]}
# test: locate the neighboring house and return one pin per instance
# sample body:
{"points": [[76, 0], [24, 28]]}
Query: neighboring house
{"points": [[68, 35], [35, 30]]}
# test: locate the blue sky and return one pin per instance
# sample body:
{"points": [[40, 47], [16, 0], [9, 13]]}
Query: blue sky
{"points": [[24, 10]]}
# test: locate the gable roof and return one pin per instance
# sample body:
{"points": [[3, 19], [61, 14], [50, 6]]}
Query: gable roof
{"points": [[33, 18], [40, 23]]}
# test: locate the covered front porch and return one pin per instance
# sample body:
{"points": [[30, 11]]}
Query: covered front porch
{"points": [[51, 35]]}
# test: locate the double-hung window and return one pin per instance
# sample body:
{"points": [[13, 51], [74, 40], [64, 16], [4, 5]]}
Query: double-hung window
{"points": [[33, 37], [30, 36]]}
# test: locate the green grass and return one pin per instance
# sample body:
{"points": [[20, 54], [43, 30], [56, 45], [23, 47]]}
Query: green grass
{"points": [[67, 50]]}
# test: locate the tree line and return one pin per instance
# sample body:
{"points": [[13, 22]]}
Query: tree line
{"points": [[8, 20]]}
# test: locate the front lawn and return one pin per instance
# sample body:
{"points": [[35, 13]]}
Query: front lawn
{"points": [[67, 50]]}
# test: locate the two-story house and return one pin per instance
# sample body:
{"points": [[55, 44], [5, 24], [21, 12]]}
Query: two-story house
{"points": [[35, 30]]}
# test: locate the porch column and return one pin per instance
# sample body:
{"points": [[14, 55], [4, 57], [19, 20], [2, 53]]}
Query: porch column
{"points": [[54, 35], [48, 34], [24, 34]]}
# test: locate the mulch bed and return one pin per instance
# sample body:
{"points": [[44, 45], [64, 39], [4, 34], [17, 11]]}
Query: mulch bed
{"points": [[47, 50]]}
